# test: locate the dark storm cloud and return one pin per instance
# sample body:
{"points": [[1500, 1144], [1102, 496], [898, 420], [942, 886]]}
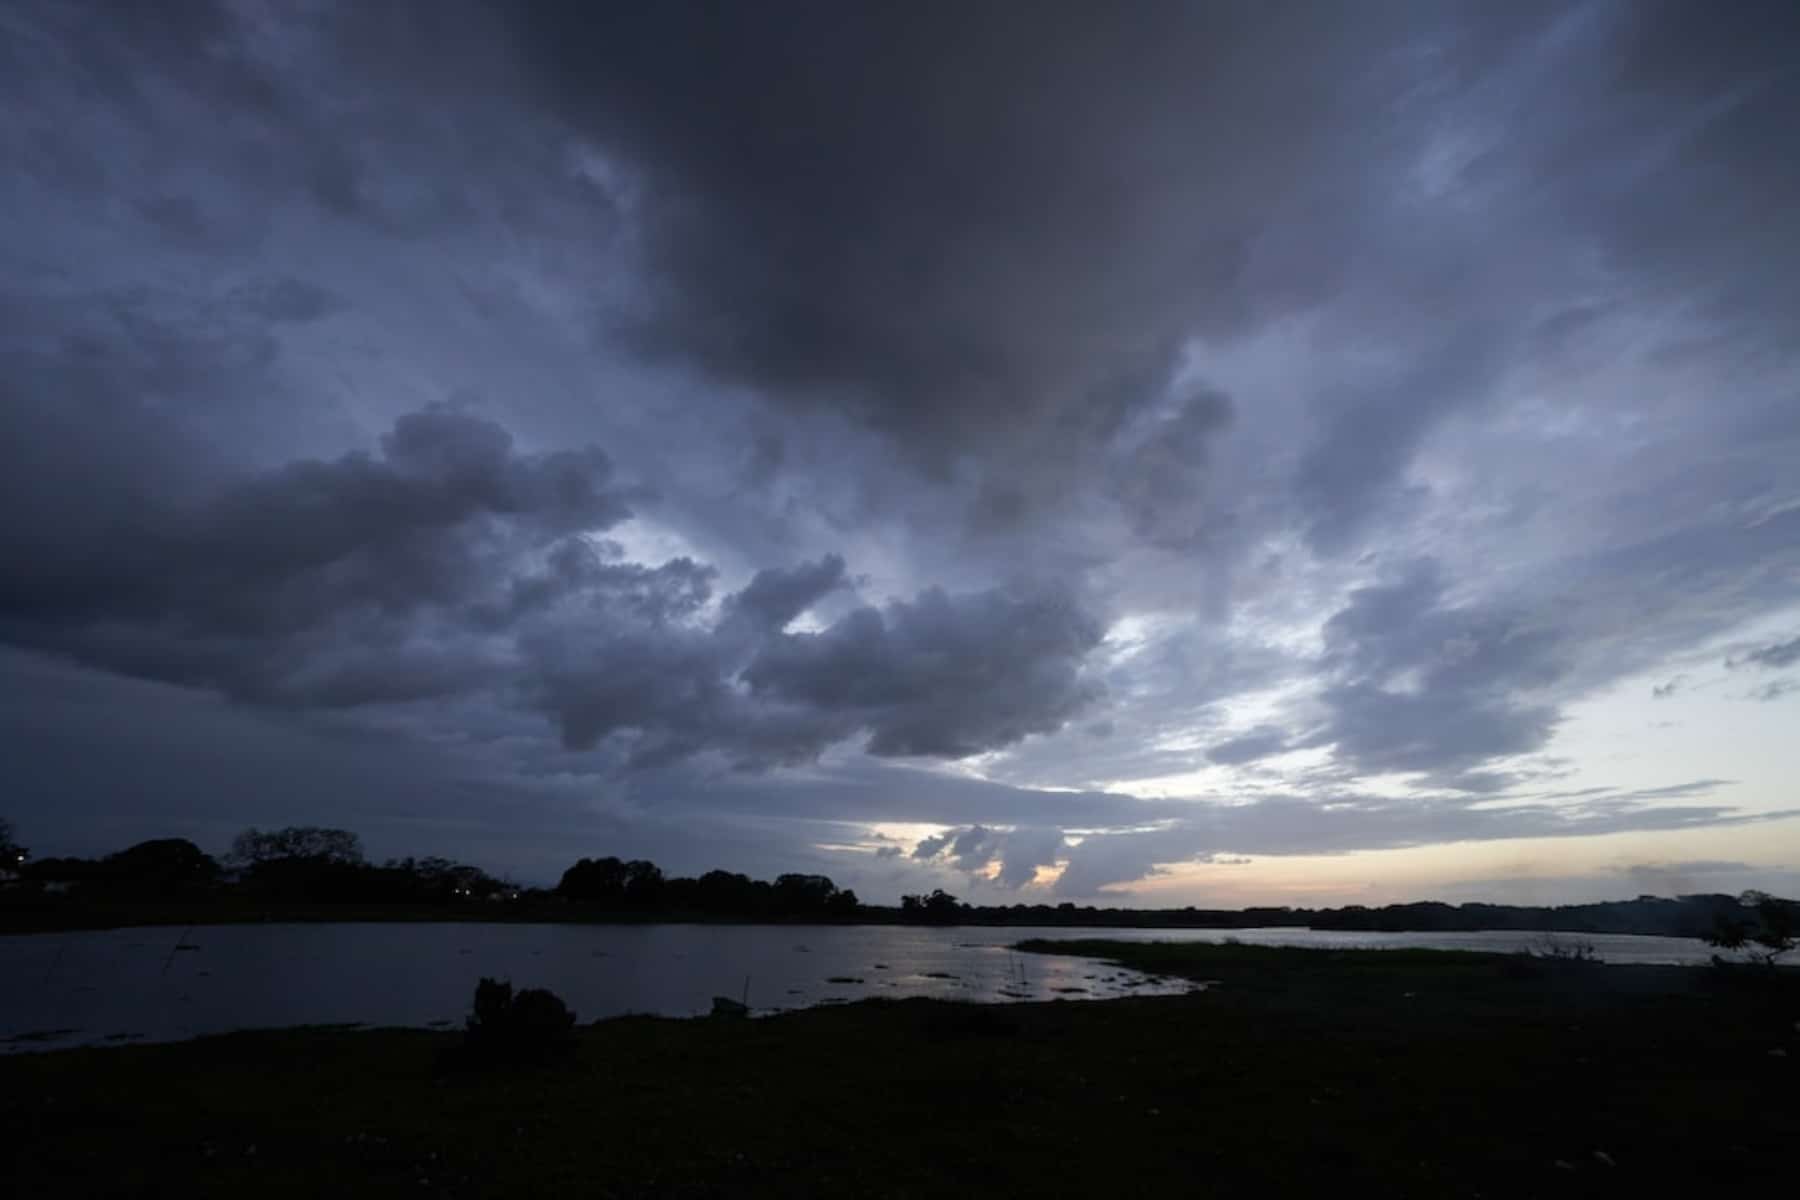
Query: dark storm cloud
{"points": [[775, 597], [1707, 97], [987, 231], [941, 675], [227, 590], [1160, 478], [451, 561]]}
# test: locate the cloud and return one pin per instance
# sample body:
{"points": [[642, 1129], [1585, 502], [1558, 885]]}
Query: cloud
{"points": [[1122, 840], [1020, 852], [450, 561], [775, 597], [257, 587], [1775, 655], [1421, 685], [988, 238], [1260, 742], [288, 300], [941, 675]]}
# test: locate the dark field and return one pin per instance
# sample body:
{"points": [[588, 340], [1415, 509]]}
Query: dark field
{"points": [[1301, 1072]]}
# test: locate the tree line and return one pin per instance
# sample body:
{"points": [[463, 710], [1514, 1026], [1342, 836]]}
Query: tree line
{"points": [[612, 885], [315, 866], [299, 863], [302, 866]]}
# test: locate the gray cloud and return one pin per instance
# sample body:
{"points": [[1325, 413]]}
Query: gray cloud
{"points": [[1775, 655], [1423, 685], [800, 243], [287, 299], [988, 238], [775, 597], [1293, 826], [941, 675], [1258, 743], [938, 676], [251, 589], [1020, 852]]}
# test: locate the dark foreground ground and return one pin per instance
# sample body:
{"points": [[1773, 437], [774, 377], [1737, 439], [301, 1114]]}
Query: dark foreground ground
{"points": [[1302, 1072]]}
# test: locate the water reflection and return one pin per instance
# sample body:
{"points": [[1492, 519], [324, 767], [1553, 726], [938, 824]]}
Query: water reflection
{"points": [[135, 984], [162, 984]]}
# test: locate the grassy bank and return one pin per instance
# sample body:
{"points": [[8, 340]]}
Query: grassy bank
{"points": [[1300, 1072]]}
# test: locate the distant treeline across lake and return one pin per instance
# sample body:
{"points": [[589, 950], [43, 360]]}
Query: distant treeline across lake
{"points": [[302, 873]]}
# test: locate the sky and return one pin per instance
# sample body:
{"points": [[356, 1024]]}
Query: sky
{"points": [[1160, 454]]}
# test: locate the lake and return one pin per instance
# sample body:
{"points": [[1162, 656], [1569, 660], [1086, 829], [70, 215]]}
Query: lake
{"points": [[161, 984]]}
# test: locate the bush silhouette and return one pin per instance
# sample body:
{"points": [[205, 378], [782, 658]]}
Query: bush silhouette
{"points": [[532, 1026], [1772, 931]]}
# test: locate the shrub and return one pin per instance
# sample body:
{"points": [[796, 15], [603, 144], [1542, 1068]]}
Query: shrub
{"points": [[1769, 933], [532, 1026], [1562, 950]]}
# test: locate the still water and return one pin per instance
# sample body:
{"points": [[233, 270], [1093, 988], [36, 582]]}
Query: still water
{"points": [[159, 984]]}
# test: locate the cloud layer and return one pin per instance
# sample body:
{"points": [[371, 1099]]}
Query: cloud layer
{"points": [[1078, 442]]}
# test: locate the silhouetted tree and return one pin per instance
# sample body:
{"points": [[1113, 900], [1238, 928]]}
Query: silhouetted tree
{"points": [[12, 855], [643, 888], [804, 895], [305, 862], [308, 842], [594, 881], [161, 867], [1768, 934], [727, 892], [939, 908]]}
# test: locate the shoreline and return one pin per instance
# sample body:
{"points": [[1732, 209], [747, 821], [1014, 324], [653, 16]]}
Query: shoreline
{"points": [[1417, 1073]]}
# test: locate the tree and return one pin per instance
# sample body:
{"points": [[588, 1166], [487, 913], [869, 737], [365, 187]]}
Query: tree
{"points": [[594, 881], [304, 862], [1768, 935], [163, 866], [804, 895], [309, 843], [12, 855], [939, 908], [643, 884]]}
